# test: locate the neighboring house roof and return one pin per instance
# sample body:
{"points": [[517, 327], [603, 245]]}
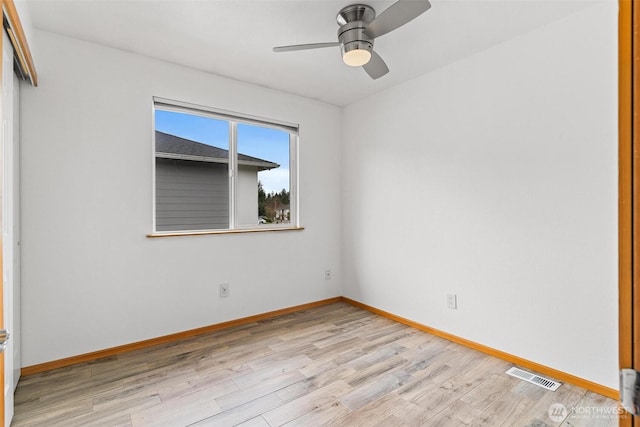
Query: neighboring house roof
{"points": [[173, 147]]}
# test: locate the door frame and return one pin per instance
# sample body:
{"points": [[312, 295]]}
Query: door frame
{"points": [[628, 189], [13, 27]]}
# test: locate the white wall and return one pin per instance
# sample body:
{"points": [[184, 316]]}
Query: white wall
{"points": [[91, 277], [495, 178]]}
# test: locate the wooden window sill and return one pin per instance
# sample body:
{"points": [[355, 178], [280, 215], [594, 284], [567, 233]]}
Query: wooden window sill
{"points": [[206, 232]]}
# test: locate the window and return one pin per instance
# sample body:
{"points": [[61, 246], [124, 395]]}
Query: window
{"points": [[216, 170]]}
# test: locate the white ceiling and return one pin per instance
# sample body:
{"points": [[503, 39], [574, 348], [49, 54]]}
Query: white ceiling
{"points": [[234, 38]]}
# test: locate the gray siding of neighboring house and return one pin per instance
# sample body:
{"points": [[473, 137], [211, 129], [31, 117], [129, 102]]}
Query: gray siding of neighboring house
{"points": [[191, 195]]}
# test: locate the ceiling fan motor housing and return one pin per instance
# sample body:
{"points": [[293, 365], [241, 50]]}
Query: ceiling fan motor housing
{"points": [[356, 12], [353, 21]]}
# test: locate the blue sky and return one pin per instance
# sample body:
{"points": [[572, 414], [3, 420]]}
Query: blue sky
{"points": [[264, 143]]}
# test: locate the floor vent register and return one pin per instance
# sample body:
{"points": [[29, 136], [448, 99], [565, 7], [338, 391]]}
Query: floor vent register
{"points": [[543, 382]]}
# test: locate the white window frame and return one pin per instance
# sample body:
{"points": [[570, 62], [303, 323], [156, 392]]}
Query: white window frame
{"points": [[233, 118]]}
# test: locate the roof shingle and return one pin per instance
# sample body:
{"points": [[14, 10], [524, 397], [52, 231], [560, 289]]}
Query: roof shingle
{"points": [[173, 147]]}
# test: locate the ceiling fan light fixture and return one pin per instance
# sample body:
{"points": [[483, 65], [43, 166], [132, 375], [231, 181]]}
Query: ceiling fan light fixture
{"points": [[355, 53], [359, 27], [356, 57]]}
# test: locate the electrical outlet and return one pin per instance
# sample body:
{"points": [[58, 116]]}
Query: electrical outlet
{"points": [[224, 290], [452, 301], [327, 275]]}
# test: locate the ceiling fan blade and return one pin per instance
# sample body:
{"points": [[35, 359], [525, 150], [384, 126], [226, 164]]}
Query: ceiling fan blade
{"points": [[304, 46], [396, 16], [376, 66]]}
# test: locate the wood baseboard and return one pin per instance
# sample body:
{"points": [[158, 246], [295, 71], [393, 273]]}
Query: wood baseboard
{"points": [[88, 357], [533, 366]]}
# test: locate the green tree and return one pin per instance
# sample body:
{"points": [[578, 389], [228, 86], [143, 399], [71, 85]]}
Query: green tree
{"points": [[262, 198], [284, 197], [272, 205]]}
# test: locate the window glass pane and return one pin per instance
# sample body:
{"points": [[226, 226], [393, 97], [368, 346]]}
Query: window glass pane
{"points": [[263, 178], [192, 172]]}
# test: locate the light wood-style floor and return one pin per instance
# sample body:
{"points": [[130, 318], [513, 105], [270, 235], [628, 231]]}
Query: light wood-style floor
{"points": [[335, 365]]}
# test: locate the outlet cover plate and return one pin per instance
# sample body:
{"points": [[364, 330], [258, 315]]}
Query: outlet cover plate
{"points": [[224, 290], [452, 301]]}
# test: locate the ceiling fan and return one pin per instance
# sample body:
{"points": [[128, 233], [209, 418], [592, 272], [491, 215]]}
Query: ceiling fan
{"points": [[359, 27]]}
